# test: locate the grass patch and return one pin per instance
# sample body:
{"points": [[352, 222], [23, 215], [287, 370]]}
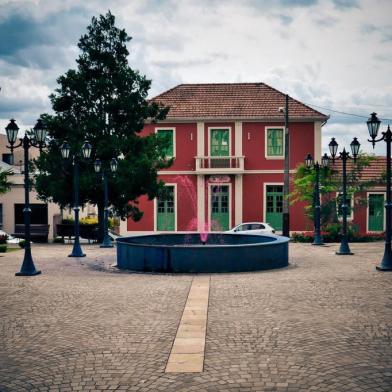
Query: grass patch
{"points": [[13, 249]]}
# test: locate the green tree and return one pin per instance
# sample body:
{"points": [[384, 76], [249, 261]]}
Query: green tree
{"points": [[330, 185], [5, 185], [105, 102]]}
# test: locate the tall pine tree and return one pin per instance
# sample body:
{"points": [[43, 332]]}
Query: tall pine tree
{"points": [[103, 87]]}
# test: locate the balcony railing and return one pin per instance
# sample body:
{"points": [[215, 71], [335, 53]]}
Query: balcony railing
{"points": [[214, 164]]}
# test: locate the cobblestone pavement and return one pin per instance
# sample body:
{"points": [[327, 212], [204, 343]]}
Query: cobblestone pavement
{"points": [[322, 324]]}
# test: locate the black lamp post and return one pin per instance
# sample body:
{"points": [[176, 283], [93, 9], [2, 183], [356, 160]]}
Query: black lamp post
{"points": [[373, 126], [106, 170], [318, 240], [28, 267], [344, 156], [65, 153]]}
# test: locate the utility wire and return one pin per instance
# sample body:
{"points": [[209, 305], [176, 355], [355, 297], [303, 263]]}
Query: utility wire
{"points": [[345, 113]]}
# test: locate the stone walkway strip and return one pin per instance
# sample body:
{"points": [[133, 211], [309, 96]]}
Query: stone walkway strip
{"points": [[187, 354]]}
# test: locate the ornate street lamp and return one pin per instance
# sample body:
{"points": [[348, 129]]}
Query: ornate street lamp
{"points": [[28, 267], [373, 125], [106, 168], [318, 240], [344, 156], [66, 154]]}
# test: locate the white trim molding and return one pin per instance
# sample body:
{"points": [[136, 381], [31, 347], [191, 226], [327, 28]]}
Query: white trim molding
{"points": [[292, 171], [174, 137], [237, 139], [266, 156], [175, 208], [238, 193], [200, 139], [174, 172], [187, 172], [201, 214]]}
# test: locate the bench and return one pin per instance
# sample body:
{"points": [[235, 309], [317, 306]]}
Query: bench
{"points": [[38, 232], [89, 232]]}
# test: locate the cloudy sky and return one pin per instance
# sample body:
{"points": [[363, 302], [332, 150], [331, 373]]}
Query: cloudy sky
{"points": [[336, 54]]}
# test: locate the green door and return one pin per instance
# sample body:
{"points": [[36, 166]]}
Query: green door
{"points": [[220, 207], [376, 213], [165, 210], [219, 147], [274, 210]]}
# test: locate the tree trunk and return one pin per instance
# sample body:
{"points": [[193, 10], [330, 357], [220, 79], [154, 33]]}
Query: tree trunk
{"points": [[101, 216]]}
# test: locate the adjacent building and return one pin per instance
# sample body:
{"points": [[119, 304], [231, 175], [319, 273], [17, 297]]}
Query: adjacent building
{"points": [[366, 208], [227, 141], [12, 202]]}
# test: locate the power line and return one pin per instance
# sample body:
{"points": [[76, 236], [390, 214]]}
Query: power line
{"points": [[345, 113]]}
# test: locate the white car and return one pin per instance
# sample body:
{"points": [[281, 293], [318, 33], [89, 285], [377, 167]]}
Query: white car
{"points": [[252, 228], [10, 239]]}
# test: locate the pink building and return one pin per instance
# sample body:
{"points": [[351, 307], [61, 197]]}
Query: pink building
{"points": [[228, 145]]}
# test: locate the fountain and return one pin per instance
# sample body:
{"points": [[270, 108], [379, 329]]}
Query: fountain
{"points": [[201, 252], [220, 252]]}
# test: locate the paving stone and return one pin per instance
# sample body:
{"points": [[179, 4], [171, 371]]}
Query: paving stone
{"points": [[322, 324]]}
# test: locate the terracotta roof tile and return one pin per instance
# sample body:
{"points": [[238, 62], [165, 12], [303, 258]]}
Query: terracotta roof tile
{"points": [[374, 171], [232, 101]]}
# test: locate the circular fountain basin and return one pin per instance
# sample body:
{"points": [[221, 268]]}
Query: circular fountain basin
{"points": [[222, 252]]}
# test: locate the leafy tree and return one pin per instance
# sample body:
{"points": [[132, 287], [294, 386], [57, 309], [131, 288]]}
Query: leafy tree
{"points": [[330, 185], [105, 102], [5, 185]]}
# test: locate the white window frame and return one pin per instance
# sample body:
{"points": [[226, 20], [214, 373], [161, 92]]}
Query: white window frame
{"points": [[349, 217], [209, 138], [367, 211], [174, 138], [266, 143], [209, 201], [175, 209]]}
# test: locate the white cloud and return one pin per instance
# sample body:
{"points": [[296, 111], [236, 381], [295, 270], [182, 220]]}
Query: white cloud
{"points": [[334, 54]]}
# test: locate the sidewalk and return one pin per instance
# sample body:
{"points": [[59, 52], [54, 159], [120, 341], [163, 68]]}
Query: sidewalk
{"points": [[322, 324]]}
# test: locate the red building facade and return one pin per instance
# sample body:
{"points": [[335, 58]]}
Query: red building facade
{"points": [[227, 141]]}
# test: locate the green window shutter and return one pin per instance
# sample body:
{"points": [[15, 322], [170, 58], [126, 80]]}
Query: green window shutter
{"points": [[167, 134], [219, 142], [274, 142]]}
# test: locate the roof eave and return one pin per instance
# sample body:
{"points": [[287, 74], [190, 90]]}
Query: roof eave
{"points": [[245, 119]]}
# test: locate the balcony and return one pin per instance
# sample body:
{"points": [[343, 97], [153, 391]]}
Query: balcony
{"points": [[221, 165]]}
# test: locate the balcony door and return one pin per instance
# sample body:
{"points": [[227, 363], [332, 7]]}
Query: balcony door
{"points": [[274, 206], [220, 147], [166, 210], [220, 211]]}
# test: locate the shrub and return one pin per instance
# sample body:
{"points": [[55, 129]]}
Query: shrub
{"points": [[3, 238], [58, 240], [22, 243], [113, 222], [302, 237], [89, 221], [3, 248], [334, 236], [67, 221]]}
